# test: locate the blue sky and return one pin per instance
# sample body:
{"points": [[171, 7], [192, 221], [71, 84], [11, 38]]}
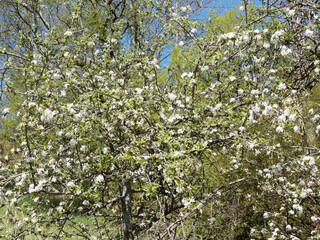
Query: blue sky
{"points": [[221, 6], [224, 5]]}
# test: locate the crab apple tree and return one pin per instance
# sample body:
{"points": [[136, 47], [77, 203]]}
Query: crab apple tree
{"points": [[152, 124]]}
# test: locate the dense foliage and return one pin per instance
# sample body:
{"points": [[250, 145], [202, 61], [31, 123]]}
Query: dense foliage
{"points": [[133, 114]]}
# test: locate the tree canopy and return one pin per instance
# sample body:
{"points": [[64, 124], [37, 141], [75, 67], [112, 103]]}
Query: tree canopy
{"points": [[151, 124]]}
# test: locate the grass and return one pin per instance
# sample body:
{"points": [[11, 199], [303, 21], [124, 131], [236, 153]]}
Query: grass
{"points": [[70, 226]]}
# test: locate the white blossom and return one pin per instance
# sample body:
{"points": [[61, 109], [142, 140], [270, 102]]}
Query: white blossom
{"points": [[266, 45], [91, 44], [193, 30], [254, 92], [121, 81], [282, 86], [232, 78], [177, 153], [292, 117], [99, 178], [276, 35], [6, 110], [59, 208], [83, 148], [291, 12], [315, 117], [179, 189], [154, 62], [279, 129], [56, 76], [303, 194], [315, 218], [71, 184], [308, 33], [285, 51], [298, 207], [73, 142], [139, 90], [242, 129], [310, 159], [204, 68], [229, 35], [184, 9], [47, 116], [68, 33], [80, 115], [187, 202], [288, 227], [172, 96]]}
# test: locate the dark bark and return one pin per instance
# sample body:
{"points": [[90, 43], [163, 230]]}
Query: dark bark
{"points": [[126, 210]]}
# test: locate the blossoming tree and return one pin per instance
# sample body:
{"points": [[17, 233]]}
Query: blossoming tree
{"points": [[218, 140]]}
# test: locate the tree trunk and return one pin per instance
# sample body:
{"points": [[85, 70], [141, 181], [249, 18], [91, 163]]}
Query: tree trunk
{"points": [[126, 210]]}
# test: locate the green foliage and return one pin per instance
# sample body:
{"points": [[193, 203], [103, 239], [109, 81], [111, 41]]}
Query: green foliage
{"points": [[216, 140]]}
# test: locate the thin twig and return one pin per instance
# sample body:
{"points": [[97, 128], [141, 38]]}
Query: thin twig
{"points": [[198, 207]]}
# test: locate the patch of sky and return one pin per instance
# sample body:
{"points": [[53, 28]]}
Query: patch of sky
{"points": [[218, 6]]}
